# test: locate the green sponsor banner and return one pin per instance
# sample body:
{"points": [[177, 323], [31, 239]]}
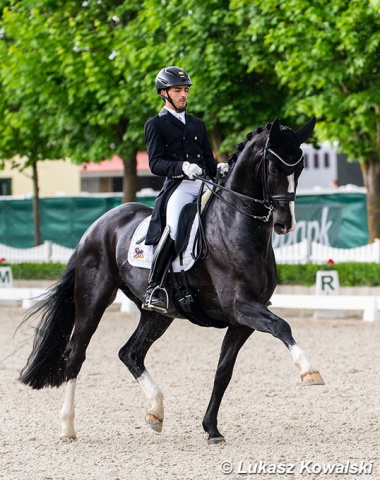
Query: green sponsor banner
{"points": [[63, 219], [338, 220]]}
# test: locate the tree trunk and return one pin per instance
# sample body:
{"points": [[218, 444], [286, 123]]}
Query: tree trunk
{"points": [[130, 178], [36, 206], [371, 177], [216, 139]]}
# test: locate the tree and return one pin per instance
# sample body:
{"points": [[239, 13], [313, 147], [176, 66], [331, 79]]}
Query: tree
{"points": [[326, 55], [75, 69], [24, 118], [203, 38], [87, 72]]}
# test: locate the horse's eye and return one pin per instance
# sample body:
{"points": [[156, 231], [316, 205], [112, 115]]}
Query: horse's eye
{"points": [[272, 170]]}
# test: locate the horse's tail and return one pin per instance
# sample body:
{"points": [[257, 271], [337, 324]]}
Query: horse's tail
{"points": [[46, 363]]}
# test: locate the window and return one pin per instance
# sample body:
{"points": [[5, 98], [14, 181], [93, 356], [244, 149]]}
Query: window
{"points": [[5, 186], [117, 184], [326, 159], [316, 160]]}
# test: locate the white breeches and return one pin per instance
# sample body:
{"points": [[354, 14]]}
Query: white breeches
{"points": [[185, 193]]}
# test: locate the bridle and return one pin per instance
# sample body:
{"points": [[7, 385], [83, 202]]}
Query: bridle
{"points": [[200, 247], [282, 197], [267, 200]]}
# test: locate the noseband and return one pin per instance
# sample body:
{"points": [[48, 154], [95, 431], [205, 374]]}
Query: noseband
{"points": [[283, 197]]}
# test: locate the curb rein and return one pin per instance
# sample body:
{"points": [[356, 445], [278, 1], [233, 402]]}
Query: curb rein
{"points": [[200, 243], [266, 202]]}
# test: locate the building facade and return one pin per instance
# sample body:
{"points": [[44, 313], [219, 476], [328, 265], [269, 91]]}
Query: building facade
{"points": [[324, 168]]}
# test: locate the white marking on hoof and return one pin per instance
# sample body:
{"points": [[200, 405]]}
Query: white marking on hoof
{"points": [[67, 414], [155, 415], [312, 378], [299, 358]]}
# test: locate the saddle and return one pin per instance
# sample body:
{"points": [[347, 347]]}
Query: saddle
{"points": [[189, 248], [141, 255]]}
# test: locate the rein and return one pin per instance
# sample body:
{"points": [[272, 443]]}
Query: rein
{"points": [[217, 186], [267, 200], [200, 243]]}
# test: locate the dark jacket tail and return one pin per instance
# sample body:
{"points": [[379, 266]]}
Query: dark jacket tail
{"points": [[46, 363]]}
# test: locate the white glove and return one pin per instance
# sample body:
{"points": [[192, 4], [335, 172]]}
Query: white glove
{"points": [[191, 170], [223, 169]]}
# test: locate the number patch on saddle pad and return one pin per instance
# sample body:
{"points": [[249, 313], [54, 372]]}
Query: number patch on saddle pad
{"points": [[141, 255]]}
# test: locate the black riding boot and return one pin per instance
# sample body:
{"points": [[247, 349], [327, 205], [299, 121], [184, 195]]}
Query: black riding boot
{"points": [[155, 297]]}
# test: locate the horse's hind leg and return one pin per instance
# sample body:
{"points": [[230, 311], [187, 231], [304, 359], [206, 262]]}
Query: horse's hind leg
{"points": [[67, 413], [232, 343], [90, 306], [151, 327]]}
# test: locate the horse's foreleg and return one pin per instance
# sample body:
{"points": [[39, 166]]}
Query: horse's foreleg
{"points": [[232, 343], [67, 414], [268, 322], [309, 375], [151, 327]]}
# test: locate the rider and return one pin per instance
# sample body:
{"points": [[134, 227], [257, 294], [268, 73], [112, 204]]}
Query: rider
{"points": [[178, 149]]}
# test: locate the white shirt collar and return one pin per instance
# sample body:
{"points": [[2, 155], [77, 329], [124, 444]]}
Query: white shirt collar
{"points": [[179, 115]]}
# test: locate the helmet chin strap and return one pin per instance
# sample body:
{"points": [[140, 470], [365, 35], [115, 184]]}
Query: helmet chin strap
{"points": [[178, 110]]}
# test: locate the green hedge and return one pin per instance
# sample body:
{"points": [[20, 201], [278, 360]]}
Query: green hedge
{"points": [[350, 274], [36, 271]]}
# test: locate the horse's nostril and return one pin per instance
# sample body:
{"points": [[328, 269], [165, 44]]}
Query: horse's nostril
{"points": [[280, 229]]}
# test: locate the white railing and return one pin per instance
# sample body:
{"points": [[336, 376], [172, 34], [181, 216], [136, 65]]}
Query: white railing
{"points": [[47, 252], [367, 253], [303, 252], [296, 253], [313, 252]]}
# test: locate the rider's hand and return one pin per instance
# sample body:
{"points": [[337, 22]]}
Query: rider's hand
{"points": [[223, 169], [191, 170]]}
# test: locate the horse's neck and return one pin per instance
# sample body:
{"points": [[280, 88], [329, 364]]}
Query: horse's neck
{"points": [[244, 180], [236, 219]]}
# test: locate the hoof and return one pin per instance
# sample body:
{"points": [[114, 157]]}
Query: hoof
{"points": [[312, 378], [154, 422], [68, 438], [216, 441]]}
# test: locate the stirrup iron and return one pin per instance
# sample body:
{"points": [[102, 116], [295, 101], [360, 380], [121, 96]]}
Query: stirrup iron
{"points": [[147, 305]]}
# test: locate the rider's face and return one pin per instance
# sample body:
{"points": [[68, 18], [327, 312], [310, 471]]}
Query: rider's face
{"points": [[178, 95]]}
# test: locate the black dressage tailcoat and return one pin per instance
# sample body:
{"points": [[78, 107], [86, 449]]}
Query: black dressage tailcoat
{"points": [[169, 143]]}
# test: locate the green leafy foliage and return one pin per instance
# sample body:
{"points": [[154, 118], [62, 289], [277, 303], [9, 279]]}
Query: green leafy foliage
{"points": [[36, 271], [77, 78], [351, 274]]}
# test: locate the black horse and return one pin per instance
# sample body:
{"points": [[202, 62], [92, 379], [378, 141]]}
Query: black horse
{"points": [[233, 283]]}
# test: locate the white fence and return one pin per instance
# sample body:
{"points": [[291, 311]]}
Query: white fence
{"points": [[303, 252], [312, 252], [47, 252]]}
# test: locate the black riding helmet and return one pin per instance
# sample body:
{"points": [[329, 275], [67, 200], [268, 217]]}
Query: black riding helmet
{"points": [[171, 77]]}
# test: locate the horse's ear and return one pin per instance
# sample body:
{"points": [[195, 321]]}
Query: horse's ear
{"points": [[305, 131], [274, 134]]}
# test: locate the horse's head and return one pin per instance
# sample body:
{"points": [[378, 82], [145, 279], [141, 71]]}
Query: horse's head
{"points": [[264, 174], [282, 165]]}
